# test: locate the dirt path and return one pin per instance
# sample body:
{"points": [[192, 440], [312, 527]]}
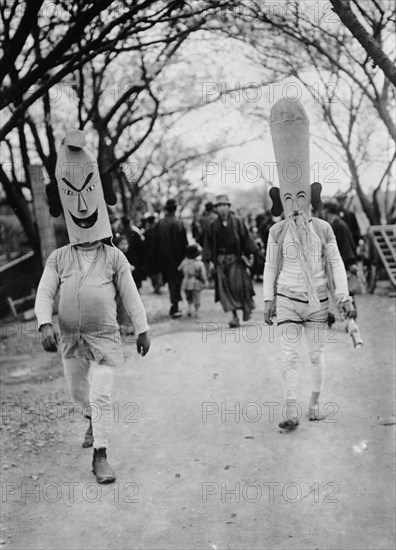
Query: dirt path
{"points": [[201, 463]]}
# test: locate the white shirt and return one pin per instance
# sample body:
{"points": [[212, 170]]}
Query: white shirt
{"points": [[292, 276]]}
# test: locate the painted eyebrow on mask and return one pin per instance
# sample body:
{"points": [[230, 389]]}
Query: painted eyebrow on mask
{"points": [[87, 180]]}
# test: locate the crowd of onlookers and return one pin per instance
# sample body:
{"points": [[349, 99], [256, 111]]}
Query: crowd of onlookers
{"points": [[157, 248]]}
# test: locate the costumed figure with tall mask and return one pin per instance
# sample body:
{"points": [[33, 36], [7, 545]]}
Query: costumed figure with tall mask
{"points": [[88, 273], [304, 274]]}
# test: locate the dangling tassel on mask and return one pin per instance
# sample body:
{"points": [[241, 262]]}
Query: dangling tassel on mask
{"points": [[301, 236]]}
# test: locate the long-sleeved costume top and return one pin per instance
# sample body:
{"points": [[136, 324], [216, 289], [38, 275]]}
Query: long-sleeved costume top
{"points": [[88, 280], [282, 264]]}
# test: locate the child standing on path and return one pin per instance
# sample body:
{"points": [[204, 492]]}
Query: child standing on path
{"points": [[194, 278]]}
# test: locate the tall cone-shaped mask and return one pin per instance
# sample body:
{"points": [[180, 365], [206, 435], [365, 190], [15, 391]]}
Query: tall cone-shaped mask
{"points": [[81, 191], [290, 137]]}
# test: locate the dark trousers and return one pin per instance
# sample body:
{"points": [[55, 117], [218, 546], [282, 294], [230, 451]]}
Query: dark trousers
{"points": [[174, 290]]}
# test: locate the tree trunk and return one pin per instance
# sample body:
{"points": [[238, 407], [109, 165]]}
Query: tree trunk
{"points": [[18, 203], [45, 223], [373, 49], [367, 206]]}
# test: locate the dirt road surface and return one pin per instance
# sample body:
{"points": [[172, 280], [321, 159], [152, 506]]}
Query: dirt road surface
{"points": [[200, 460]]}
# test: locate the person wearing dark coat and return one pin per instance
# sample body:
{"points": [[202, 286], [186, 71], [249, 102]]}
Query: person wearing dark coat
{"points": [[232, 249], [136, 253], [153, 268], [203, 238], [342, 233], [349, 218], [344, 238], [171, 244]]}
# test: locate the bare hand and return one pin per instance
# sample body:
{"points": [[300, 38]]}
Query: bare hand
{"points": [[49, 338], [143, 343], [348, 309], [269, 311]]}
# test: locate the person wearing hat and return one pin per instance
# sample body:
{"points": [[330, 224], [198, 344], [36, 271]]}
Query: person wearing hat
{"points": [[88, 273], [170, 245], [194, 278], [232, 249]]}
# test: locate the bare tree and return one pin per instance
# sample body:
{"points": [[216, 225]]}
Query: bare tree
{"points": [[44, 51], [376, 22], [352, 93]]}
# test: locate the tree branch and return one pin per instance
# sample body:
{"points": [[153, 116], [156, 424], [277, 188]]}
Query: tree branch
{"points": [[373, 49]]}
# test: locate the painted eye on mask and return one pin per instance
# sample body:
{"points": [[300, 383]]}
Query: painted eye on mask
{"points": [[68, 192], [301, 198], [90, 188]]}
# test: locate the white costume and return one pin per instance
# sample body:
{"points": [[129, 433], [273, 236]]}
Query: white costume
{"points": [[88, 274], [303, 269]]}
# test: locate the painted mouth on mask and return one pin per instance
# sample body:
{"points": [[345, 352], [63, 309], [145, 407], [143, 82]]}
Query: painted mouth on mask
{"points": [[85, 223]]}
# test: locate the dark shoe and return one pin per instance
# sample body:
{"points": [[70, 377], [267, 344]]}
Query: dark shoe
{"points": [[174, 311], [88, 440], [288, 424], [101, 468], [246, 315], [234, 323], [314, 414], [176, 315]]}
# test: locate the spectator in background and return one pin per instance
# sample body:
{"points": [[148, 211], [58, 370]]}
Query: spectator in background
{"points": [[135, 254], [153, 268], [196, 227], [232, 249], [344, 240], [349, 218], [205, 223], [342, 233], [194, 278], [259, 260], [170, 247], [264, 223]]}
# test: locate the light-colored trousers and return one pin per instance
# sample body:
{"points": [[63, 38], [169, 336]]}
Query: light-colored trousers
{"points": [[291, 335], [90, 384], [296, 320]]}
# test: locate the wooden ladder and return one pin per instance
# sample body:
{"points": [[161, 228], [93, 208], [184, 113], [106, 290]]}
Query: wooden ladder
{"points": [[384, 237]]}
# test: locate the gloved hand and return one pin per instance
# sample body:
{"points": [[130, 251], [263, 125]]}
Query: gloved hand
{"points": [[269, 311], [49, 337], [348, 309], [143, 343]]}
